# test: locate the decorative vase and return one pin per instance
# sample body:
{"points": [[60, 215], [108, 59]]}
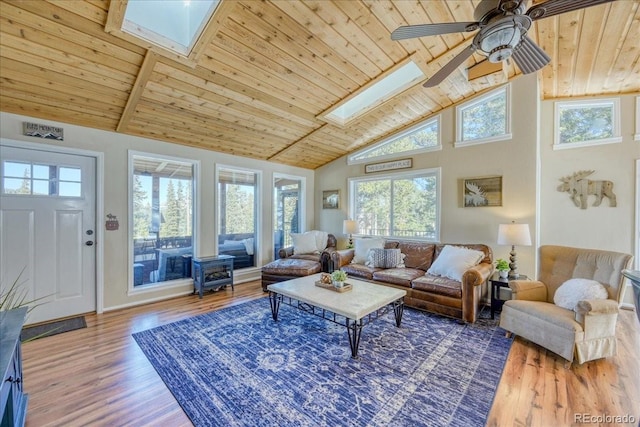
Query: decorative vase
{"points": [[338, 284], [504, 274]]}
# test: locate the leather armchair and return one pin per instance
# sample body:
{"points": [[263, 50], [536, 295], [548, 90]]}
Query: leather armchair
{"points": [[586, 333]]}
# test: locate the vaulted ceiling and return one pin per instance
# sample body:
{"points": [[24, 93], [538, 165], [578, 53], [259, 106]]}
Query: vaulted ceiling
{"points": [[263, 71]]}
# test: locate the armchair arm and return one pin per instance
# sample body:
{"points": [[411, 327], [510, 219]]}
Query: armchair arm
{"points": [[326, 259], [342, 257], [530, 290], [285, 252], [477, 275], [597, 306]]}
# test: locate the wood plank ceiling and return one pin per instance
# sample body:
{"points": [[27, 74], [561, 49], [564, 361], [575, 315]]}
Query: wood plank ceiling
{"points": [[265, 70]]}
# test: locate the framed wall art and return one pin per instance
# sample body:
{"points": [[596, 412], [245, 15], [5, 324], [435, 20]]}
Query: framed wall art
{"points": [[331, 199], [482, 191]]}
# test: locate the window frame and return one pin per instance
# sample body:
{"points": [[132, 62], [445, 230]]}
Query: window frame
{"points": [[351, 159], [615, 106], [195, 197], [460, 109], [636, 136], [302, 220], [259, 204], [437, 172]]}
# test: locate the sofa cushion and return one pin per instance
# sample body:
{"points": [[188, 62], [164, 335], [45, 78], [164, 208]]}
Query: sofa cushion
{"points": [[362, 247], [575, 290], [438, 285], [453, 261], [417, 254], [397, 276], [359, 271], [385, 258]]}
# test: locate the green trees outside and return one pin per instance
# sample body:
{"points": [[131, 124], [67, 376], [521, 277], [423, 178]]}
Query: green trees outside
{"points": [[424, 137], [485, 119], [141, 210], [403, 207], [175, 211], [237, 209], [585, 124]]}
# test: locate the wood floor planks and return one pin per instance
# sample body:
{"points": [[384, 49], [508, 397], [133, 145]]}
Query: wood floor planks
{"points": [[98, 376]]}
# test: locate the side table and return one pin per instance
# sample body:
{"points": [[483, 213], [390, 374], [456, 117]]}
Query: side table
{"points": [[496, 283], [212, 273]]}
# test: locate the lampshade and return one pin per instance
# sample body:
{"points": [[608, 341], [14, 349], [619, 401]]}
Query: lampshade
{"points": [[514, 234], [349, 226]]}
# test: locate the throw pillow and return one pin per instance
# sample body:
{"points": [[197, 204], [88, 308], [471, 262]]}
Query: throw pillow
{"points": [[575, 290], [248, 245], [304, 243], [321, 239], [385, 258], [362, 247], [453, 261]]}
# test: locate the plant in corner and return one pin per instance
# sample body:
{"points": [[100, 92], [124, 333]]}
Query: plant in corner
{"points": [[503, 267]]}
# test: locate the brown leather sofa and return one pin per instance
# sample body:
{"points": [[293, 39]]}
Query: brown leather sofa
{"points": [[424, 291], [290, 265]]}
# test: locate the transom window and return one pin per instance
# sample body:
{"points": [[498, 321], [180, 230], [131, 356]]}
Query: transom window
{"points": [[22, 178], [587, 122], [484, 119], [397, 205], [422, 137]]}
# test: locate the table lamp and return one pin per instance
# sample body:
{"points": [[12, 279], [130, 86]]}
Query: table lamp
{"points": [[349, 227], [515, 235]]}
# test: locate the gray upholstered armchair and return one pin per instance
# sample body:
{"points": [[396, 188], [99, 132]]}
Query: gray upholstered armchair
{"points": [[588, 331]]}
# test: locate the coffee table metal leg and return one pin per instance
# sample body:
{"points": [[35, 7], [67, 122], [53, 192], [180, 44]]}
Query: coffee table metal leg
{"points": [[354, 330], [274, 301], [398, 309]]}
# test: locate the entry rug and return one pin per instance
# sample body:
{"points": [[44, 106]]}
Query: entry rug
{"points": [[53, 328], [237, 367]]}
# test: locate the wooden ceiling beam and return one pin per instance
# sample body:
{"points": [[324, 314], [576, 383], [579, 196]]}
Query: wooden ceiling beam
{"points": [[138, 88]]}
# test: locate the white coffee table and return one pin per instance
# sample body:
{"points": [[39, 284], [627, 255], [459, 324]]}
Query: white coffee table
{"points": [[355, 308]]}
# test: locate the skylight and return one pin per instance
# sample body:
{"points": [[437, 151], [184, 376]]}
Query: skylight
{"points": [[172, 24], [377, 93]]}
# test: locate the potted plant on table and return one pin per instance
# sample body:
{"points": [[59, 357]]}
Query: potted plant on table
{"points": [[338, 278], [503, 268]]}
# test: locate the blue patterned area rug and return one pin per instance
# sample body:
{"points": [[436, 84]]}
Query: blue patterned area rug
{"points": [[237, 367]]}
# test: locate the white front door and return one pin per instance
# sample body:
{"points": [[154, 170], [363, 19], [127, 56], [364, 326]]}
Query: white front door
{"points": [[47, 230]]}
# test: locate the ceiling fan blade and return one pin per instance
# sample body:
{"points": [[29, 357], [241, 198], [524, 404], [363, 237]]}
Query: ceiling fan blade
{"points": [[555, 7], [529, 57], [413, 31], [444, 72]]}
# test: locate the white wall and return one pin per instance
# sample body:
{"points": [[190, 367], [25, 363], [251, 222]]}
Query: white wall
{"points": [[601, 227], [514, 160], [114, 147]]}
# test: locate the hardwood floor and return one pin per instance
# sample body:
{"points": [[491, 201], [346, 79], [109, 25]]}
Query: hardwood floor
{"points": [[98, 376]]}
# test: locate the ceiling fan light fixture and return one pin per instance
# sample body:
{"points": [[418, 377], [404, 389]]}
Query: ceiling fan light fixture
{"points": [[499, 43]]}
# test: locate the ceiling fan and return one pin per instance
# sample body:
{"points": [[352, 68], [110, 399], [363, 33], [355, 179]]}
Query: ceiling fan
{"points": [[503, 26]]}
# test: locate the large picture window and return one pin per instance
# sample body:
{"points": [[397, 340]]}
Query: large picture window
{"points": [[587, 122], [162, 218], [484, 119], [397, 205], [237, 215]]}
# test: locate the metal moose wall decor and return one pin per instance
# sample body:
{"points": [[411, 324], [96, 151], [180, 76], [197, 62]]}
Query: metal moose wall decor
{"points": [[580, 188]]}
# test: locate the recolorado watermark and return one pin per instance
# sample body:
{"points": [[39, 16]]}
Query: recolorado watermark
{"points": [[586, 418]]}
